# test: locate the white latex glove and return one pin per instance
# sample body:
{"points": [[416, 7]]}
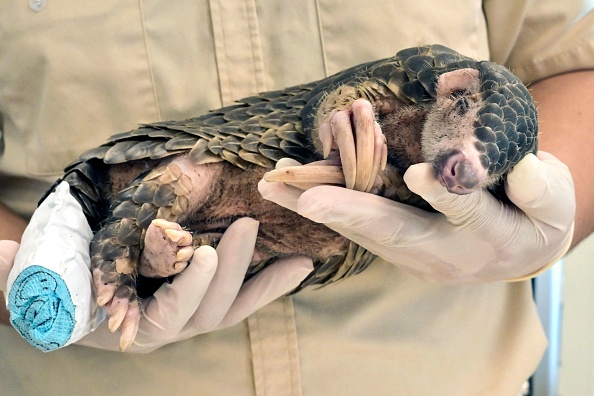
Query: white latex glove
{"points": [[475, 238], [8, 251], [206, 296]]}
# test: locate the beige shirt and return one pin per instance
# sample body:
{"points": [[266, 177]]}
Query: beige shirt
{"points": [[73, 73]]}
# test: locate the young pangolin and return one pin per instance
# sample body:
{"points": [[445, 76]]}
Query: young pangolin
{"points": [[153, 194]]}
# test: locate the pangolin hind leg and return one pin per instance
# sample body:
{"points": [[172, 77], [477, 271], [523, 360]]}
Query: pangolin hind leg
{"points": [[169, 192], [167, 249]]}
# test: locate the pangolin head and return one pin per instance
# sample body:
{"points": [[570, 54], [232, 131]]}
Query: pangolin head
{"points": [[495, 112]]}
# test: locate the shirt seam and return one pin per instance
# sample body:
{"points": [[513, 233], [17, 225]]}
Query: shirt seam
{"points": [[255, 46], [292, 346], [322, 42], [220, 52], [149, 61]]}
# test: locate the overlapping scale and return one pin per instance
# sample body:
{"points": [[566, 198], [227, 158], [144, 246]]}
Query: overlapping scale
{"points": [[509, 113]]}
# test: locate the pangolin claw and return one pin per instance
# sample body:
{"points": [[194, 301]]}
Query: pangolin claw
{"points": [[307, 174], [180, 237], [118, 314], [105, 297], [129, 326], [185, 253]]}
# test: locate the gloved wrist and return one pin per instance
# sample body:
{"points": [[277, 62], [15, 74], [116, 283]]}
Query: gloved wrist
{"points": [[546, 267], [8, 251]]}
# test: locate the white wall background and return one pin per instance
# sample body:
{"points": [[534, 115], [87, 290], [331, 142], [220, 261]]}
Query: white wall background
{"points": [[576, 374]]}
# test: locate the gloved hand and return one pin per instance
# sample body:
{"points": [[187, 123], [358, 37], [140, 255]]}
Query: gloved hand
{"points": [[475, 238], [206, 296], [8, 250]]}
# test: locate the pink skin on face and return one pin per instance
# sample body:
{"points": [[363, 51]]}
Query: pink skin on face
{"points": [[461, 173], [448, 139]]}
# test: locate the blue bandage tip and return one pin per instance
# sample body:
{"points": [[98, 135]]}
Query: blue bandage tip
{"points": [[41, 308]]}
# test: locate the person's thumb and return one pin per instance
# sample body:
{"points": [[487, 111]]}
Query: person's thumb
{"points": [[543, 188], [8, 250]]}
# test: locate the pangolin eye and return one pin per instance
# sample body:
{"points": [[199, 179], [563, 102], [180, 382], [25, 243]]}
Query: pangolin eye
{"points": [[462, 105], [458, 93]]}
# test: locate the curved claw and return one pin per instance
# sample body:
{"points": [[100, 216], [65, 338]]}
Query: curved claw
{"points": [[117, 311], [360, 143], [325, 136], [343, 136], [384, 158], [322, 174], [181, 238], [130, 325], [364, 124], [105, 291], [380, 156], [185, 253]]}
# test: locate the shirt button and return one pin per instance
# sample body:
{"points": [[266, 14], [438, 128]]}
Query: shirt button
{"points": [[37, 5]]}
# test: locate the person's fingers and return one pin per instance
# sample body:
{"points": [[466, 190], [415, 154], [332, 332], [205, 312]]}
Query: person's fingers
{"points": [[164, 310], [8, 251], [543, 188], [280, 193], [371, 221], [274, 281], [235, 252], [458, 209]]}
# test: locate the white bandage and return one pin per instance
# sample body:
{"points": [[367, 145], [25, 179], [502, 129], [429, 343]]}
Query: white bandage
{"points": [[50, 294]]}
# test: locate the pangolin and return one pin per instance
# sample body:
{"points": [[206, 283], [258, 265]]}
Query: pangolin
{"points": [[186, 181]]}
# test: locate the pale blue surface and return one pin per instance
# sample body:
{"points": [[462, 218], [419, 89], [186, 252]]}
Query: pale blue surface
{"points": [[41, 308]]}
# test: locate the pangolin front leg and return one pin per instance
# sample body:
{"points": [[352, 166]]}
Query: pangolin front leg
{"points": [[355, 148], [168, 193]]}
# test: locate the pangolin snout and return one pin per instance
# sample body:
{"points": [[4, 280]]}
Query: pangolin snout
{"points": [[459, 173]]}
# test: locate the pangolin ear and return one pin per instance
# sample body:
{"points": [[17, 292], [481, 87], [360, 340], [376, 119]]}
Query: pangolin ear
{"points": [[457, 83]]}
